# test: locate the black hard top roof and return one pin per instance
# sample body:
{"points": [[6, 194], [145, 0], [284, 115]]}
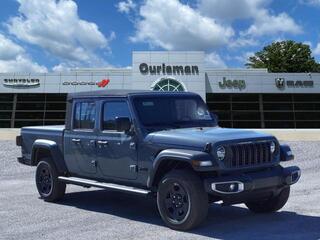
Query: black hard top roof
{"points": [[122, 93]]}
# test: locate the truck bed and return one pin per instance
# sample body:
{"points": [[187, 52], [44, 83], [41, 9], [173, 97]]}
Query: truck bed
{"points": [[30, 134]]}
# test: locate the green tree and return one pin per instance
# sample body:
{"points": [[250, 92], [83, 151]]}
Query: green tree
{"points": [[285, 56]]}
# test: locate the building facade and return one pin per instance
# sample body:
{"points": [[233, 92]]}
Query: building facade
{"points": [[242, 98]]}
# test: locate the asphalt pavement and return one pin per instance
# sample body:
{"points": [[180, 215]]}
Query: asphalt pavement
{"points": [[100, 214]]}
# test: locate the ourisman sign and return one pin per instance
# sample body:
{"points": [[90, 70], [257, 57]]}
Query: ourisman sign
{"points": [[168, 69]]}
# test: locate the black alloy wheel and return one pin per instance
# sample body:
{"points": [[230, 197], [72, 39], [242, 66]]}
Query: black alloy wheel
{"points": [[177, 203], [44, 179], [47, 182], [182, 200]]}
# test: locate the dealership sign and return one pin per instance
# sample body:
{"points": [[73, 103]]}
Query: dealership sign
{"points": [[21, 82], [236, 84], [103, 83], [281, 83], [168, 69]]}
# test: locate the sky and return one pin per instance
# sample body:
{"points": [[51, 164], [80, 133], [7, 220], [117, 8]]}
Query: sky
{"points": [[58, 35]]}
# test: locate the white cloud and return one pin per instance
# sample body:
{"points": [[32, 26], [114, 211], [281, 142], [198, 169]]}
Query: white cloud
{"points": [[267, 24], [172, 25], [244, 57], [214, 60], [316, 51], [8, 49], [230, 9], [61, 67], [21, 64], [56, 27], [308, 43], [243, 42], [126, 6], [264, 23], [14, 59]]}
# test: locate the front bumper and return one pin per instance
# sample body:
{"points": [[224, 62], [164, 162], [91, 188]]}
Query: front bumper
{"points": [[243, 186]]}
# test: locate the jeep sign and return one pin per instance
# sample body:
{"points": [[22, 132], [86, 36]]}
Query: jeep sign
{"points": [[236, 84]]}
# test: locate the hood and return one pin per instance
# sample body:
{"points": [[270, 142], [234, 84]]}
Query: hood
{"points": [[198, 137]]}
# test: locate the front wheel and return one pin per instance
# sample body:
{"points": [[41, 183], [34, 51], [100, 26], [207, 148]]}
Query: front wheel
{"points": [[48, 185], [182, 200], [272, 204]]}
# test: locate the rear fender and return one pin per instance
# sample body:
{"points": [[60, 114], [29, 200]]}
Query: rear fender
{"points": [[54, 153]]}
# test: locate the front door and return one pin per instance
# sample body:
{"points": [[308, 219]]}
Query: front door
{"points": [[80, 141], [116, 151]]}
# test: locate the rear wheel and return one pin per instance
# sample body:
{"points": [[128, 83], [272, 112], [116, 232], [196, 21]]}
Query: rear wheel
{"points": [[48, 185], [272, 204], [182, 200]]}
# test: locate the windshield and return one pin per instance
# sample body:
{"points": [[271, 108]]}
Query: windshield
{"points": [[173, 112]]}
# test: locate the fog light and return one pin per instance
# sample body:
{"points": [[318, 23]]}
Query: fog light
{"points": [[228, 187]]}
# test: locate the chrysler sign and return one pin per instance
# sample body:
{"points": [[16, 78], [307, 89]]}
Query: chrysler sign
{"points": [[21, 82]]}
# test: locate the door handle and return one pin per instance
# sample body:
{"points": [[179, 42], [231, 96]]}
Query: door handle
{"points": [[76, 140], [102, 142]]}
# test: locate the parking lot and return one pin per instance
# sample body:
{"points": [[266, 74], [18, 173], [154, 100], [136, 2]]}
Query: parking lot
{"points": [[99, 214]]}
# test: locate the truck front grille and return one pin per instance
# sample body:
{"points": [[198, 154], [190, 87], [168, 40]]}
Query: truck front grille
{"points": [[248, 154]]}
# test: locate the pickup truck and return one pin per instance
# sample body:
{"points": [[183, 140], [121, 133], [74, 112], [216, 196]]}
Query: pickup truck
{"points": [[166, 145]]}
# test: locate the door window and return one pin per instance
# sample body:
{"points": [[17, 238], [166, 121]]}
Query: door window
{"points": [[112, 110], [85, 114]]}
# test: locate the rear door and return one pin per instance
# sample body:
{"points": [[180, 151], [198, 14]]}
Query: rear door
{"points": [[79, 143], [116, 151]]}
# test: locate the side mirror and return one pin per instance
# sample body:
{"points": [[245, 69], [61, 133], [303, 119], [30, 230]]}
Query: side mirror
{"points": [[123, 124]]}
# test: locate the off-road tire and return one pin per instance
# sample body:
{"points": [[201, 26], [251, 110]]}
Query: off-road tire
{"points": [[272, 204], [48, 185], [193, 200]]}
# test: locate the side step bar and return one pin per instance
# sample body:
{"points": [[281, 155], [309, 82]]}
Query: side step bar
{"points": [[92, 183]]}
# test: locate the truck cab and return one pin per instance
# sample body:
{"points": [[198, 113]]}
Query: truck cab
{"points": [[163, 144]]}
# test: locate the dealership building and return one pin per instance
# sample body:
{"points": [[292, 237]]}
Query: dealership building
{"points": [[242, 98]]}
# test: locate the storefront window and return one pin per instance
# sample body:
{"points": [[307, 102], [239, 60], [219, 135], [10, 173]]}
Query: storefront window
{"points": [[168, 84]]}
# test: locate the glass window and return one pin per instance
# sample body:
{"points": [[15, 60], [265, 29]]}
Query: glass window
{"points": [[219, 106], [173, 112], [56, 97], [31, 97], [245, 97], [217, 97], [84, 116], [6, 106], [245, 115], [6, 97], [245, 106], [168, 84], [112, 110], [30, 106], [29, 115]]}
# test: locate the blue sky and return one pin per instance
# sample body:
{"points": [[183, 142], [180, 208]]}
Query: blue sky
{"points": [[52, 35]]}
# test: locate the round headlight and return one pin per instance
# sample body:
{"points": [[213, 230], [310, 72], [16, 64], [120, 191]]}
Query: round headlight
{"points": [[221, 153], [272, 147]]}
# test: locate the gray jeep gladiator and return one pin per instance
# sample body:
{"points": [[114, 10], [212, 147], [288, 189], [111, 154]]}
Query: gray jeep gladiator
{"points": [[162, 144]]}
